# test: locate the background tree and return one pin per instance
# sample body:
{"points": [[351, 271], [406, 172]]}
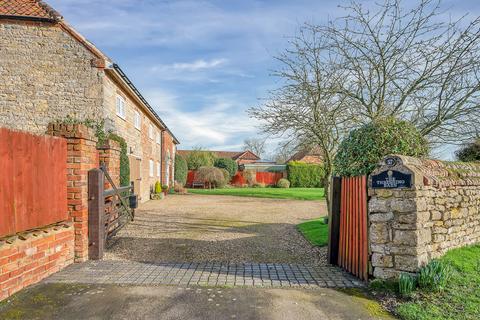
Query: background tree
{"points": [[181, 169], [228, 164], [200, 158], [469, 152], [371, 64], [256, 145]]}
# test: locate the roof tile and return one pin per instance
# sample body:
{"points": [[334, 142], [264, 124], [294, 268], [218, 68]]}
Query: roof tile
{"points": [[28, 9]]}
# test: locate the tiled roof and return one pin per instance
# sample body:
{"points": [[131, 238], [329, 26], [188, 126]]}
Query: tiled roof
{"points": [[223, 154], [35, 9]]}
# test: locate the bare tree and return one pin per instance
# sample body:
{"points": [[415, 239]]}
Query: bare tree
{"points": [[256, 145], [284, 151], [306, 108], [408, 63]]}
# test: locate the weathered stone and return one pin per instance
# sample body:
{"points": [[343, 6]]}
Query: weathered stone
{"points": [[410, 263], [384, 193], [381, 217], [402, 205], [379, 232], [405, 237], [380, 260], [378, 205]]}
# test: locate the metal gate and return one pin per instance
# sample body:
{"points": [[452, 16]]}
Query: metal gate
{"points": [[348, 245]]}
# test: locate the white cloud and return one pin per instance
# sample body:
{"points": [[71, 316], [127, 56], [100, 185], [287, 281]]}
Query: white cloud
{"points": [[198, 64], [220, 122]]}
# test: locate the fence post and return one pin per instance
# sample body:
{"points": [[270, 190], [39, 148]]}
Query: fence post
{"points": [[334, 220], [96, 214]]}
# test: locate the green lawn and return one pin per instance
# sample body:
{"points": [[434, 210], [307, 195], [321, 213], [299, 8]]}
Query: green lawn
{"points": [[315, 231], [278, 193], [461, 298]]}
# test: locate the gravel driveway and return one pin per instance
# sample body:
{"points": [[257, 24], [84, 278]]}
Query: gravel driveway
{"points": [[201, 228]]}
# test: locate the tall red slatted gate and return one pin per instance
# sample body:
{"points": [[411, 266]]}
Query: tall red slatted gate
{"points": [[348, 247], [33, 181]]}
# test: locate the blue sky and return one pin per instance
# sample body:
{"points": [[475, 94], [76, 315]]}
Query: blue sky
{"points": [[201, 64]]}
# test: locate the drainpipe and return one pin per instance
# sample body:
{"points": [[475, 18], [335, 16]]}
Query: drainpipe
{"points": [[162, 140]]}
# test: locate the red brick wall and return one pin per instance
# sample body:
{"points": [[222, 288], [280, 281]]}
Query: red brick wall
{"points": [[36, 255], [109, 154], [82, 156]]}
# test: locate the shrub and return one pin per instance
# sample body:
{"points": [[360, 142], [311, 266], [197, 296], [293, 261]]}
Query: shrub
{"points": [[158, 187], [406, 284], [226, 163], [259, 185], [469, 152], [179, 188], [211, 175], [226, 174], [283, 183], [200, 158], [361, 151], [250, 177], [124, 162], [181, 169], [305, 175], [434, 275]]}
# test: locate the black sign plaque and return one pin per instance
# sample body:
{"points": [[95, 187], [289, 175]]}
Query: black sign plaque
{"points": [[391, 179]]}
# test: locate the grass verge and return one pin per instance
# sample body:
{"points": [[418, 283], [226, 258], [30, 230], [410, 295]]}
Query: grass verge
{"points": [[315, 231], [275, 193], [459, 300]]}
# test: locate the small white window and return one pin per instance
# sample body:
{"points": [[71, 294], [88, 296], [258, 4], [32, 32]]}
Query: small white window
{"points": [[151, 168], [158, 169], [137, 120], [150, 131], [158, 137], [121, 107]]}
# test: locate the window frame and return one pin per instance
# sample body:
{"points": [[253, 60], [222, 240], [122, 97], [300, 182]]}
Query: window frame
{"points": [[121, 107], [158, 169], [150, 132], [137, 116], [151, 168]]}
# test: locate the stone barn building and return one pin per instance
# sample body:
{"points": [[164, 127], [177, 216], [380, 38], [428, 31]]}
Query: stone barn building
{"points": [[49, 72]]}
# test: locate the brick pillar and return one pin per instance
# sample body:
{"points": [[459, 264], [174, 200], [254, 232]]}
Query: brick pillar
{"points": [[109, 154], [82, 156]]}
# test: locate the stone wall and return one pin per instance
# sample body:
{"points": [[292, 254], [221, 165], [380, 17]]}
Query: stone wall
{"points": [[45, 75], [409, 227]]}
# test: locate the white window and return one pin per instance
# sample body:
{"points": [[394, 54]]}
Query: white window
{"points": [[151, 167], [121, 107], [137, 120], [158, 137], [150, 131], [158, 169]]}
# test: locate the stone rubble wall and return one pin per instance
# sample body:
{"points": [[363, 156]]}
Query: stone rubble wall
{"points": [[409, 227], [45, 75]]}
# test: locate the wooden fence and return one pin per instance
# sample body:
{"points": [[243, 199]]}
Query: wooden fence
{"points": [[33, 181]]}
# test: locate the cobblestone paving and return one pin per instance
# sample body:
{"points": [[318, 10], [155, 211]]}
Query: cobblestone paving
{"points": [[206, 274]]}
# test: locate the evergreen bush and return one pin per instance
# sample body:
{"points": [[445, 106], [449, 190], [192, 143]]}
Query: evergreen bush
{"points": [[364, 147], [283, 183], [469, 152], [305, 175], [181, 169], [226, 163], [200, 158]]}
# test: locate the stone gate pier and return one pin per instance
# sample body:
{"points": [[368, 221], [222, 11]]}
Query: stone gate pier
{"points": [[418, 210]]}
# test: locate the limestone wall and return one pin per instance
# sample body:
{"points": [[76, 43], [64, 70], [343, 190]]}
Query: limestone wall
{"points": [[408, 227], [45, 75]]}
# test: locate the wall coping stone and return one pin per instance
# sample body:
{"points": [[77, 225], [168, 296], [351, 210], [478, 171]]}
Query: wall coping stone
{"points": [[434, 173]]}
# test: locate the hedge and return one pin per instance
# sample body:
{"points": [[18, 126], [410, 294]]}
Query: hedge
{"points": [[181, 169], [200, 158], [364, 147], [305, 175]]}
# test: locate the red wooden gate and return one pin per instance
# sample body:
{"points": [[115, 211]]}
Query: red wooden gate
{"points": [[353, 236]]}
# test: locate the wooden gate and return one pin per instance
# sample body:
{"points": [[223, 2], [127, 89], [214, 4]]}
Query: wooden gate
{"points": [[348, 247]]}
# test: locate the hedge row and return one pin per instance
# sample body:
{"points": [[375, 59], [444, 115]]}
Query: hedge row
{"points": [[305, 175]]}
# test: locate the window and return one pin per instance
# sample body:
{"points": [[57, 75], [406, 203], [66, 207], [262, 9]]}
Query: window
{"points": [[150, 131], [158, 137], [158, 169], [137, 120], [151, 167], [121, 107]]}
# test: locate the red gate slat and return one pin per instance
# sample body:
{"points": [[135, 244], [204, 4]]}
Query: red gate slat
{"points": [[364, 252]]}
